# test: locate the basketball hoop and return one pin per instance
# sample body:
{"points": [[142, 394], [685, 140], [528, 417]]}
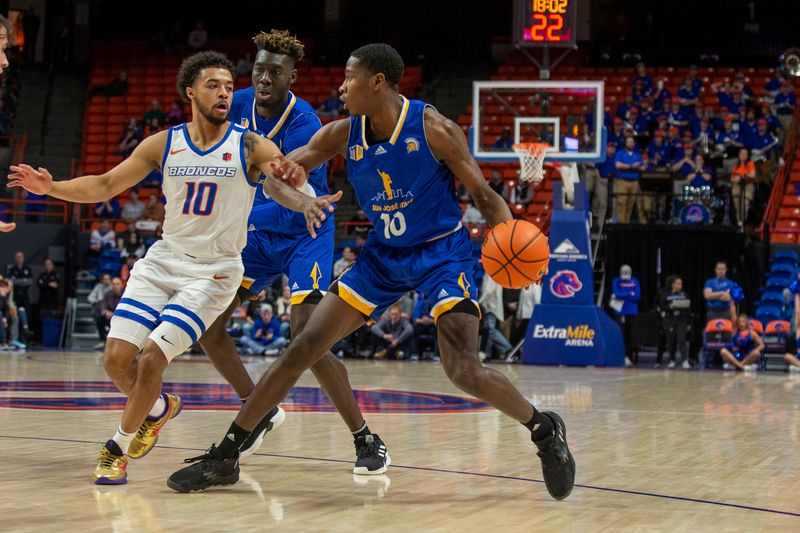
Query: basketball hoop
{"points": [[531, 158]]}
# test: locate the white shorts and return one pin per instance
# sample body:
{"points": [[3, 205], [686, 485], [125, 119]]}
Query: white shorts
{"points": [[172, 300]]}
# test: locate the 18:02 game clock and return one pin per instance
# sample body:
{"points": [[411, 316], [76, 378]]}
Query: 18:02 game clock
{"points": [[545, 22]]}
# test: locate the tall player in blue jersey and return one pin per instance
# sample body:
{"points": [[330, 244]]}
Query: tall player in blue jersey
{"points": [[402, 158], [278, 242]]}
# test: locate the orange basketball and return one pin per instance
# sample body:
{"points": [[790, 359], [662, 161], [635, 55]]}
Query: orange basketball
{"points": [[515, 254]]}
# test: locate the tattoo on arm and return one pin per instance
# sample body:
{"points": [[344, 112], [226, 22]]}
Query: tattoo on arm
{"points": [[250, 142]]}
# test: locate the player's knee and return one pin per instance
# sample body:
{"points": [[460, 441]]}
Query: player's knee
{"points": [[464, 375], [789, 358], [118, 356], [152, 360]]}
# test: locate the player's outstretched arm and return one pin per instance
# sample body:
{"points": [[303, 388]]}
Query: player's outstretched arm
{"points": [[90, 189], [326, 143], [5, 227], [263, 157], [449, 145]]}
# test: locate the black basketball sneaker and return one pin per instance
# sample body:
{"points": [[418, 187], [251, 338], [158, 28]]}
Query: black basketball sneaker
{"points": [[208, 470], [271, 420], [371, 455], [558, 466]]}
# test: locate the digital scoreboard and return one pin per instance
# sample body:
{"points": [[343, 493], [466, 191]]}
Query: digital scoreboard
{"points": [[545, 22]]}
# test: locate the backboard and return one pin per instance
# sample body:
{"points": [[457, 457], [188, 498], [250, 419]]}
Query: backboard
{"points": [[566, 114]]}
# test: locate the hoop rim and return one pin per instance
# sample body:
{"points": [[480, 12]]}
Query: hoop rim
{"points": [[531, 147]]}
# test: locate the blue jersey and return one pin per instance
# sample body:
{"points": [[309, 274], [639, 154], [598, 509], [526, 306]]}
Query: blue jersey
{"points": [[741, 345], [291, 129], [407, 194]]}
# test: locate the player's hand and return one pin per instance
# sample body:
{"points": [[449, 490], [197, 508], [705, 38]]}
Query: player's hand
{"points": [[315, 210], [289, 171], [261, 296], [37, 181], [5, 227]]}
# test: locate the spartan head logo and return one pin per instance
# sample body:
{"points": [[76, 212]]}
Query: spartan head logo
{"points": [[565, 283]]}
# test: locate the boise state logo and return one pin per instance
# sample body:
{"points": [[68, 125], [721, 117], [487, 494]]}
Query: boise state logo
{"points": [[719, 324], [565, 284], [779, 327]]}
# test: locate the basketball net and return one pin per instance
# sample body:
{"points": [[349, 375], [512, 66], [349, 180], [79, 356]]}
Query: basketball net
{"points": [[531, 159]]}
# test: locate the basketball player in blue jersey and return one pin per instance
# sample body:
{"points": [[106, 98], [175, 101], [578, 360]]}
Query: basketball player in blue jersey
{"points": [[402, 158], [279, 243], [211, 170]]}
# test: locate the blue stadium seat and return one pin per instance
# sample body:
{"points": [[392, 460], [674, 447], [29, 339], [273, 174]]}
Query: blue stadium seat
{"points": [[786, 253], [777, 283], [768, 313], [783, 270], [772, 298]]}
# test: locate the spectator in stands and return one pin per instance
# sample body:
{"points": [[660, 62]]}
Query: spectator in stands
{"points": [[133, 246], [116, 87], [360, 224], [785, 104], [283, 308], [636, 124], [133, 209], [658, 151], [130, 138], [745, 348], [106, 307], [154, 210], [773, 86], [617, 133], [175, 114], [521, 194], [463, 194], [688, 96], [696, 82], [97, 294], [198, 38], [155, 117], [244, 67], [639, 92], [628, 163], [127, 267], [504, 142], [773, 122], [624, 106], [682, 166], [493, 313], [743, 177], [424, 332], [265, 336], [48, 283], [747, 126], [472, 215], [393, 332], [103, 237], [624, 301], [604, 171], [347, 259], [675, 308], [109, 209], [497, 184], [661, 96], [728, 140], [124, 236], [700, 175], [717, 293], [676, 116], [642, 77], [332, 106], [763, 143]]}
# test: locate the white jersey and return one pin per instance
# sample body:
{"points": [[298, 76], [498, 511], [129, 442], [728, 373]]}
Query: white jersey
{"points": [[209, 195]]}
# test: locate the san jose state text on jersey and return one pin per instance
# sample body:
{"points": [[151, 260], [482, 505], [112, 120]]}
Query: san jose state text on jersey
{"points": [[408, 195]]}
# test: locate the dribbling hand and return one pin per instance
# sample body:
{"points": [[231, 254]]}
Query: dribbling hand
{"points": [[315, 209], [37, 181]]}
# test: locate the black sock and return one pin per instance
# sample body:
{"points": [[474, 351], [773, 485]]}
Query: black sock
{"points": [[234, 438], [540, 425], [361, 432]]}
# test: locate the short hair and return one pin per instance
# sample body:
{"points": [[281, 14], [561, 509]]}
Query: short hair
{"points": [[381, 58], [5, 23], [723, 263], [265, 307], [194, 64], [395, 306], [280, 42]]}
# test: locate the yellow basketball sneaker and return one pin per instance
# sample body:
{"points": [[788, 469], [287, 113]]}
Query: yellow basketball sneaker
{"points": [[147, 436], [112, 468]]}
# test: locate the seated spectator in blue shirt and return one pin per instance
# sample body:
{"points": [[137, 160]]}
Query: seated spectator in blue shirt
{"points": [[658, 151], [629, 165], [689, 96], [332, 106], [109, 209], [676, 116], [785, 100], [504, 142], [642, 78], [674, 141], [694, 80], [265, 336], [773, 85], [773, 122], [747, 125], [683, 163], [624, 106], [639, 93], [616, 134], [661, 96], [636, 123], [727, 140], [717, 293], [741, 84], [762, 140], [700, 175]]}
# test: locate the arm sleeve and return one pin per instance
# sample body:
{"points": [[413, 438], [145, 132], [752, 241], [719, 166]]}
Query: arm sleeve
{"points": [[406, 333], [638, 292], [616, 290], [377, 329]]}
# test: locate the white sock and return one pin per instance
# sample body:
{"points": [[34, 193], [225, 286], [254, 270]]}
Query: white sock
{"points": [[159, 408], [123, 440]]}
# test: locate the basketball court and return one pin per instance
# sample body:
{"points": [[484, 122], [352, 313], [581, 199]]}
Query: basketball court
{"points": [[655, 451]]}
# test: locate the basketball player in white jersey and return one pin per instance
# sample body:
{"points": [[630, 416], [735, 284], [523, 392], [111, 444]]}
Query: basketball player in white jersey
{"points": [[211, 168]]}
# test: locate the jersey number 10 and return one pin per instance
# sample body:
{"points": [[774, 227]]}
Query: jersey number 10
{"points": [[202, 202], [393, 225]]}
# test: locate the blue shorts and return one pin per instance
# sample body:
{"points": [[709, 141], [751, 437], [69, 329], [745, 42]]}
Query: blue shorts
{"points": [[307, 262], [441, 270]]}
